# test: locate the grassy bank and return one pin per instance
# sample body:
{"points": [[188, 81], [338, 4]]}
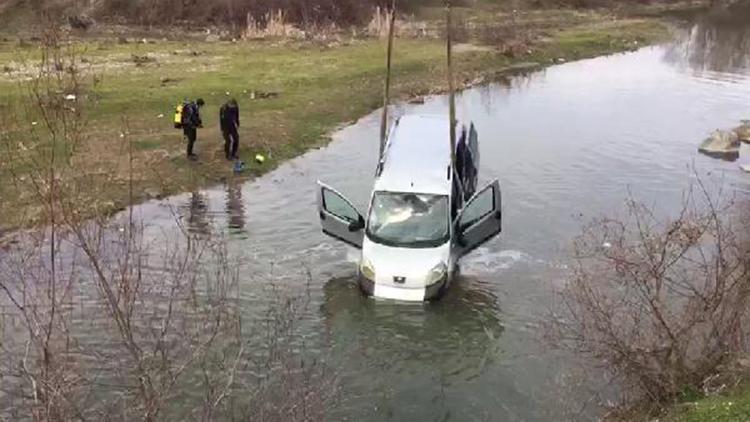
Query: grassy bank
{"points": [[318, 86], [731, 407]]}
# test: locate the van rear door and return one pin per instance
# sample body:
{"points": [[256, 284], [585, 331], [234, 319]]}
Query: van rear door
{"points": [[480, 220], [339, 218]]}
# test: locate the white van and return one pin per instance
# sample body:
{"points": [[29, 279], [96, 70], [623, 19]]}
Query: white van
{"points": [[423, 214]]}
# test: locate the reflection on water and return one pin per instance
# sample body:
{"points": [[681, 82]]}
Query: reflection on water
{"points": [[235, 206], [445, 345], [201, 217], [196, 210], [718, 44], [468, 319], [717, 49]]}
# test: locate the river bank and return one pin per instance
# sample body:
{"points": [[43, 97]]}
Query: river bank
{"points": [[292, 93]]}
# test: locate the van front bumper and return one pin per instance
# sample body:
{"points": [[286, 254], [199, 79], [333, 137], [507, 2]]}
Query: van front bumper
{"points": [[366, 285], [432, 292]]}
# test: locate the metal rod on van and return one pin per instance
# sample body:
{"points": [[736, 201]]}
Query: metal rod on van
{"points": [[387, 94], [451, 87]]}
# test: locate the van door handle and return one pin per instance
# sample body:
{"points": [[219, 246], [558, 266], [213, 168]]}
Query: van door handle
{"points": [[322, 215]]}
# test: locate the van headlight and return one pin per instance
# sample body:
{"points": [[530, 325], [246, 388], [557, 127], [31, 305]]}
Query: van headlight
{"points": [[367, 270], [436, 274]]}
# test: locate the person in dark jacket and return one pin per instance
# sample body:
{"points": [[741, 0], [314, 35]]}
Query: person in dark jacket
{"points": [[191, 122], [229, 116]]}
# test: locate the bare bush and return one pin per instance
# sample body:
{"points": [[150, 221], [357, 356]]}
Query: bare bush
{"points": [[102, 320], [660, 305], [380, 22], [298, 12], [75, 268], [297, 388], [273, 25]]}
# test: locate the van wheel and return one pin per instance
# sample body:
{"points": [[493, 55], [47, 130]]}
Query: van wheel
{"points": [[443, 290]]}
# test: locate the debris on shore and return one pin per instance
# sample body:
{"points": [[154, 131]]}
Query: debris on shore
{"points": [[262, 95], [142, 60]]}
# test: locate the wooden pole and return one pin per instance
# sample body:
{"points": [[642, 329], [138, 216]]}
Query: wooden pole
{"points": [[451, 86], [387, 94]]}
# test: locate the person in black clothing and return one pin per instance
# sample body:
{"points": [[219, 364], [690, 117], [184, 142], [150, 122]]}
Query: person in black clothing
{"points": [[229, 116], [191, 122]]}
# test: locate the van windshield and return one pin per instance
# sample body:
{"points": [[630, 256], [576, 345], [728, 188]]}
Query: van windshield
{"points": [[409, 220]]}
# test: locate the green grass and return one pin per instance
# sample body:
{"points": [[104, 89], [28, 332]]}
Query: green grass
{"points": [[319, 87], [730, 408], [146, 145]]}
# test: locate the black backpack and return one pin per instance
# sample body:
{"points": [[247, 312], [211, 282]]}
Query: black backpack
{"points": [[188, 109]]}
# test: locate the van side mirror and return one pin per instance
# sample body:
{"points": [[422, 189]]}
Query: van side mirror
{"points": [[358, 225]]}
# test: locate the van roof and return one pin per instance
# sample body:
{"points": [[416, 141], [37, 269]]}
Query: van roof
{"points": [[418, 156]]}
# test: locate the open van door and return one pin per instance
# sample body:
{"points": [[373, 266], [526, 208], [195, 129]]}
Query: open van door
{"points": [[339, 218], [480, 220]]}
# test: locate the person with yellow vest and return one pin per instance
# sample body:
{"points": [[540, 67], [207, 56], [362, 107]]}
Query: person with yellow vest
{"points": [[188, 118]]}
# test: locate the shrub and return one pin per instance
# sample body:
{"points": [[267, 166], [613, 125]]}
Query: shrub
{"points": [[660, 305]]}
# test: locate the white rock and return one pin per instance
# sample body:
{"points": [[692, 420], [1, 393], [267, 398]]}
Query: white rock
{"points": [[721, 143], [744, 132], [70, 97]]}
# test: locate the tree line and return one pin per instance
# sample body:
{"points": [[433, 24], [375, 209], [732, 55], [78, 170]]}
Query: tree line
{"points": [[300, 12]]}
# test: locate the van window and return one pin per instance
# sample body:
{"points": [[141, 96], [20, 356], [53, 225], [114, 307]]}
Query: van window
{"points": [[409, 220], [338, 206], [482, 205]]}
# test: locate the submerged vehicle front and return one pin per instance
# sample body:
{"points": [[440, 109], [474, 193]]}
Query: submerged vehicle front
{"points": [[406, 251], [418, 225]]}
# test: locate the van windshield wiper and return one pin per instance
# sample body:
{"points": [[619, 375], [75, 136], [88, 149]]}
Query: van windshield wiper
{"points": [[416, 244]]}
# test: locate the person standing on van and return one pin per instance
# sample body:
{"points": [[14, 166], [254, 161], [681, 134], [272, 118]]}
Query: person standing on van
{"points": [[191, 121], [229, 116]]}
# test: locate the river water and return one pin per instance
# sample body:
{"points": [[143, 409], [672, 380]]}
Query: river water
{"points": [[567, 143]]}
